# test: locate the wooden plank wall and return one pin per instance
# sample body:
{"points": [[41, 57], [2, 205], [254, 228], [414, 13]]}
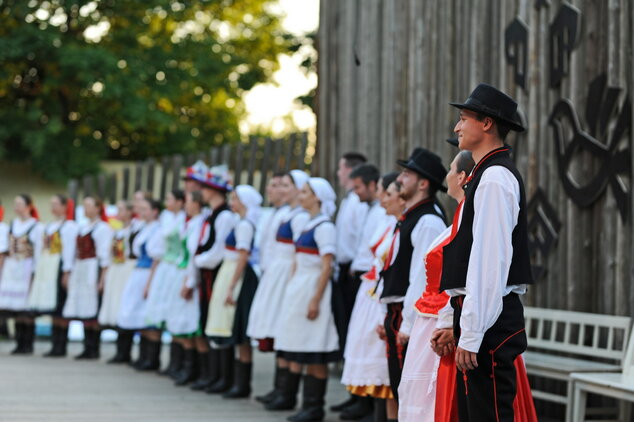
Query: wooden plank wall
{"points": [[250, 162], [388, 68]]}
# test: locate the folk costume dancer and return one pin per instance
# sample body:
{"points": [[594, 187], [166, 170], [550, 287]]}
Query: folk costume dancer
{"points": [[307, 335], [25, 245], [365, 372], [48, 292], [423, 370], [421, 222], [183, 316], [235, 288], [486, 267], [164, 284], [194, 176], [264, 316], [148, 247], [208, 259], [122, 265], [364, 179], [269, 226], [86, 281]]}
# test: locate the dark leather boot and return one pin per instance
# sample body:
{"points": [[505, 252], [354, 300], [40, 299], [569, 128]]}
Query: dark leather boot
{"points": [[29, 337], [362, 408], [124, 346], [225, 380], [287, 399], [208, 370], [63, 341], [143, 351], [188, 372], [280, 373], [241, 381], [339, 407], [153, 357], [19, 338], [177, 353], [54, 342], [380, 414], [313, 401]]}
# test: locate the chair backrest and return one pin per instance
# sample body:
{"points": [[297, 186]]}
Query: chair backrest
{"points": [[579, 333], [628, 362]]}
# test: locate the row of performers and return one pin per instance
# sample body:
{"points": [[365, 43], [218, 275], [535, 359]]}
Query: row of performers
{"points": [[388, 313]]}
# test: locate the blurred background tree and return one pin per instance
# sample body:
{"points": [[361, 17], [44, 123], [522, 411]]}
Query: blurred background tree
{"points": [[83, 81]]}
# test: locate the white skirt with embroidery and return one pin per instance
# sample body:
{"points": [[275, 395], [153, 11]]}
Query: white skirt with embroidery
{"points": [[43, 295], [295, 332], [116, 279], [132, 311], [15, 284], [417, 390], [365, 362], [166, 283], [82, 301], [183, 316], [265, 310]]}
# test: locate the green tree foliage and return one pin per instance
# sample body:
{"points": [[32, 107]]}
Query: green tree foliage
{"points": [[85, 80]]}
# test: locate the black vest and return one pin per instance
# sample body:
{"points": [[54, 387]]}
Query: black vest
{"points": [[456, 254], [396, 276], [211, 220]]}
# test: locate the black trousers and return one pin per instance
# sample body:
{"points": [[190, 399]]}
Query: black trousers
{"points": [[487, 392], [395, 352], [344, 295]]}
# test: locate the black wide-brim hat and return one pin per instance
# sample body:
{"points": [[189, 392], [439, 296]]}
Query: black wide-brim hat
{"points": [[492, 102], [428, 165]]}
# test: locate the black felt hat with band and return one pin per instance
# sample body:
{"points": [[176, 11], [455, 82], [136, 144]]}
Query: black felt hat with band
{"points": [[428, 165], [492, 102]]}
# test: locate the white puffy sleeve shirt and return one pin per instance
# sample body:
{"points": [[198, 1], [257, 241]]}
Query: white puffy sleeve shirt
{"points": [[68, 235], [192, 233], [326, 238], [244, 233], [4, 238], [350, 218], [364, 257], [213, 257], [102, 234]]}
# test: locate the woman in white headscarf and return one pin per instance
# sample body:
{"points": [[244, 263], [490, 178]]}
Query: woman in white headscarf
{"points": [[277, 272], [234, 289], [307, 335]]}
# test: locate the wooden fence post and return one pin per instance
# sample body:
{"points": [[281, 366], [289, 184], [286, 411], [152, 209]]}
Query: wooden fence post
{"points": [[177, 162], [266, 164], [126, 183], [252, 155], [149, 165], [165, 163], [138, 174], [238, 164]]}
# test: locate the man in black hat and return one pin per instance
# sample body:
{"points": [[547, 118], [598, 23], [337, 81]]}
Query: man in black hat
{"points": [[486, 266], [404, 279]]}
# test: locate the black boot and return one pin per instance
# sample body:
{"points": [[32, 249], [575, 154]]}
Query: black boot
{"points": [[29, 337], [142, 357], [187, 373], [224, 382], [287, 399], [380, 414], [362, 408], [280, 373], [176, 360], [92, 343], [124, 346], [54, 342], [241, 382], [87, 345], [339, 407], [153, 357], [208, 370], [19, 339], [313, 400]]}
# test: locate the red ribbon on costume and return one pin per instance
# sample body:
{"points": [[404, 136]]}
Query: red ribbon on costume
{"points": [[34, 212], [102, 214], [70, 209], [1, 213]]}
